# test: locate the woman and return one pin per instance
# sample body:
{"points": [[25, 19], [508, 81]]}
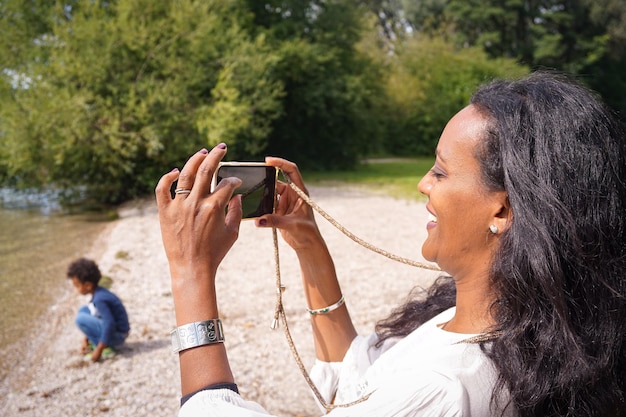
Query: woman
{"points": [[526, 200]]}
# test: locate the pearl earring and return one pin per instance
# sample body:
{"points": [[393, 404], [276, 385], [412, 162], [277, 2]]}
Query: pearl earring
{"points": [[494, 229]]}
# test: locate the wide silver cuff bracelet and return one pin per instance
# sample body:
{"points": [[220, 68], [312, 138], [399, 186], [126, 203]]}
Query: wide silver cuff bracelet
{"points": [[196, 334]]}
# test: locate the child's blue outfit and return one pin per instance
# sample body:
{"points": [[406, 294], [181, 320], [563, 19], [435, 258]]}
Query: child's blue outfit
{"points": [[104, 319]]}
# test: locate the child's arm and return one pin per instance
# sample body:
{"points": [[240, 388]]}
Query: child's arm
{"points": [[85, 346]]}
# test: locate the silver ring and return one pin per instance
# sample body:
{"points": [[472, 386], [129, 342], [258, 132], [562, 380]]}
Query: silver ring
{"points": [[182, 191]]}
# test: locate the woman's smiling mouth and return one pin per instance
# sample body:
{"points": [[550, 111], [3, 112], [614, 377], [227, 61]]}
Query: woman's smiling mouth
{"points": [[432, 221]]}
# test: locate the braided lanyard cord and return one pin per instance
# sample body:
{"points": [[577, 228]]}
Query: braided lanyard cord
{"points": [[279, 311], [352, 236]]}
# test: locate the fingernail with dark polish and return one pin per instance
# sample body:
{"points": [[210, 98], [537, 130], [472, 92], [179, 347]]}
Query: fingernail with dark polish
{"points": [[204, 151], [222, 146], [262, 222], [174, 170]]}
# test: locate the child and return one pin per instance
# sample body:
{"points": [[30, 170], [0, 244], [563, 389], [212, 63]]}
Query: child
{"points": [[104, 320]]}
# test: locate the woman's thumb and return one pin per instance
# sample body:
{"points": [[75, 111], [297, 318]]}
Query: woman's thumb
{"points": [[271, 220]]}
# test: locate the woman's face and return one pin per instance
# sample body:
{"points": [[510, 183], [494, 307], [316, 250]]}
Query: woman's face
{"points": [[461, 208]]}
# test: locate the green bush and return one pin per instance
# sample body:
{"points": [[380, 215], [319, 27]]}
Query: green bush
{"points": [[104, 97], [429, 82]]}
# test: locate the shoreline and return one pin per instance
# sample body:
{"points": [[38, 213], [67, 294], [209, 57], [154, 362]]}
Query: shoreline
{"points": [[32, 272], [143, 378]]}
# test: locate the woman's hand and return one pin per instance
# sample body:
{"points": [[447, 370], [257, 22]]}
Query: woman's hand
{"points": [[333, 332], [197, 233], [293, 216]]}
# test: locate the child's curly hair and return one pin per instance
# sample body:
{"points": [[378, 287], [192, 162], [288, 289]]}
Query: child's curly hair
{"points": [[85, 270]]}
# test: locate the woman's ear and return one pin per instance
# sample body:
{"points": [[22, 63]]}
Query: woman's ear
{"points": [[503, 216]]}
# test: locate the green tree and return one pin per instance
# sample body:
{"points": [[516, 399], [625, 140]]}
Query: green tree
{"points": [[428, 17], [390, 19], [119, 91], [584, 37], [538, 32], [607, 73], [105, 96], [430, 81], [332, 91]]}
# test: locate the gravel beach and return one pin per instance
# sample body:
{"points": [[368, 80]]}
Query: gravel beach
{"points": [[52, 379]]}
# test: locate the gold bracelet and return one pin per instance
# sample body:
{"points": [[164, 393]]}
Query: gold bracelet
{"points": [[196, 334], [328, 309]]}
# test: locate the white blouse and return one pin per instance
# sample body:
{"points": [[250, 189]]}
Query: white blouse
{"points": [[427, 373]]}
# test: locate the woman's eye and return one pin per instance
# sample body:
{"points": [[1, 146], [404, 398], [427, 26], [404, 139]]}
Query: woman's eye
{"points": [[436, 174]]}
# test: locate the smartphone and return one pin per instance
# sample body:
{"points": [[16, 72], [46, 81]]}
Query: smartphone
{"points": [[258, 186]]}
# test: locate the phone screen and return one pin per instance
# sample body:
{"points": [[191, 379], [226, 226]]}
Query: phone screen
{"points": [[258, 187]]}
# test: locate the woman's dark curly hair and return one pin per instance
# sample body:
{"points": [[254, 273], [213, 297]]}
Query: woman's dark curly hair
{"points": [[560, 269], [85, 270]]}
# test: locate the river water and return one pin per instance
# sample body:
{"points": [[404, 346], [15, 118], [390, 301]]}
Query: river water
{"points": [[36, 245]]}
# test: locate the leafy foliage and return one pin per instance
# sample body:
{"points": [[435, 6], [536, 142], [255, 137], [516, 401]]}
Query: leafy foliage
{"points": [[113, 96], [431, 80], [331, 90], [105, 96], [584, 37], [108, 95]]}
